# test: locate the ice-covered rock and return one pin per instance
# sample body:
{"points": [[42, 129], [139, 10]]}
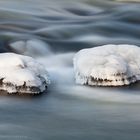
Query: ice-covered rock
{"points": [[108, 65], [33, 47], [22, 74]]}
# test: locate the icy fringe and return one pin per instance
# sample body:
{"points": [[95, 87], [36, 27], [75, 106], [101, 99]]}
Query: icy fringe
{"points": [[118, 80]]}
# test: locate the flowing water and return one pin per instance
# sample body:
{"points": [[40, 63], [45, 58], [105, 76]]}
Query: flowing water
{"points": [[68, 111]]}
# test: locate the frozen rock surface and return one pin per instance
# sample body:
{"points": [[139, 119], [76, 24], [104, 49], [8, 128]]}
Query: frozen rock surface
{"points": [[22, 74], [108, 65]]}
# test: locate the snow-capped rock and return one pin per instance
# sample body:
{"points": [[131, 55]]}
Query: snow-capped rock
{"points": [[108, 65], [22, 74]]}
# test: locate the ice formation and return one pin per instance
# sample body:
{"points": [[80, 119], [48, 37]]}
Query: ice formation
{"points": [[108, 65], [22, 74]]}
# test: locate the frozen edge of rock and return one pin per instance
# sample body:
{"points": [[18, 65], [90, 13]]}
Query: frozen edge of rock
{"points": [[22, 74], [108, 65]]}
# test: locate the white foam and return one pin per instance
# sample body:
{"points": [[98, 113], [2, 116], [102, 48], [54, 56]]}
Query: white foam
{"points": [[18, 69], [108, 65]]}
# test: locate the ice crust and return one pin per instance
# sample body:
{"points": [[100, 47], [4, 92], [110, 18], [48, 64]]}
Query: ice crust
{"points": [[108, 65], [22, 74]]}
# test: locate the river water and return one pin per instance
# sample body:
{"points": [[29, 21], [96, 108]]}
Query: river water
{"points": [[68, 111]]}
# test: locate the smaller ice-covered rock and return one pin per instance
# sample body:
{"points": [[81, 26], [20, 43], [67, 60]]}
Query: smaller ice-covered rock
{"points": [[108, 65], [22, 74]]}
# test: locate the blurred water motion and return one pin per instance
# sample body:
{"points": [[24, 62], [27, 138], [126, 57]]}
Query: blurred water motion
{"points": [[70, 25], [52, 31]]}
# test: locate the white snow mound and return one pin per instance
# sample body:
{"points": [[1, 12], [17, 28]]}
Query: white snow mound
{"points": [[108, 65], [22, 74]]}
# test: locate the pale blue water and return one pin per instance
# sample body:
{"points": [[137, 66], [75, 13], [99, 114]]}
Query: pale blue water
{"points": [[69, 111]]}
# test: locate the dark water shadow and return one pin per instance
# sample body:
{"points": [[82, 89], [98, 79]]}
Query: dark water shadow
{"points": [[24, 95], [133, 88]]}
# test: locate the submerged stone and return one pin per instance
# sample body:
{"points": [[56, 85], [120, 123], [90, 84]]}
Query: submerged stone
{"points": [[33, 47]]}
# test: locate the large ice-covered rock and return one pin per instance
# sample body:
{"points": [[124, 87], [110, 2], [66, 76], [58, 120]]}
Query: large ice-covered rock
{"points": [[108, 65], [22, 74]]}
